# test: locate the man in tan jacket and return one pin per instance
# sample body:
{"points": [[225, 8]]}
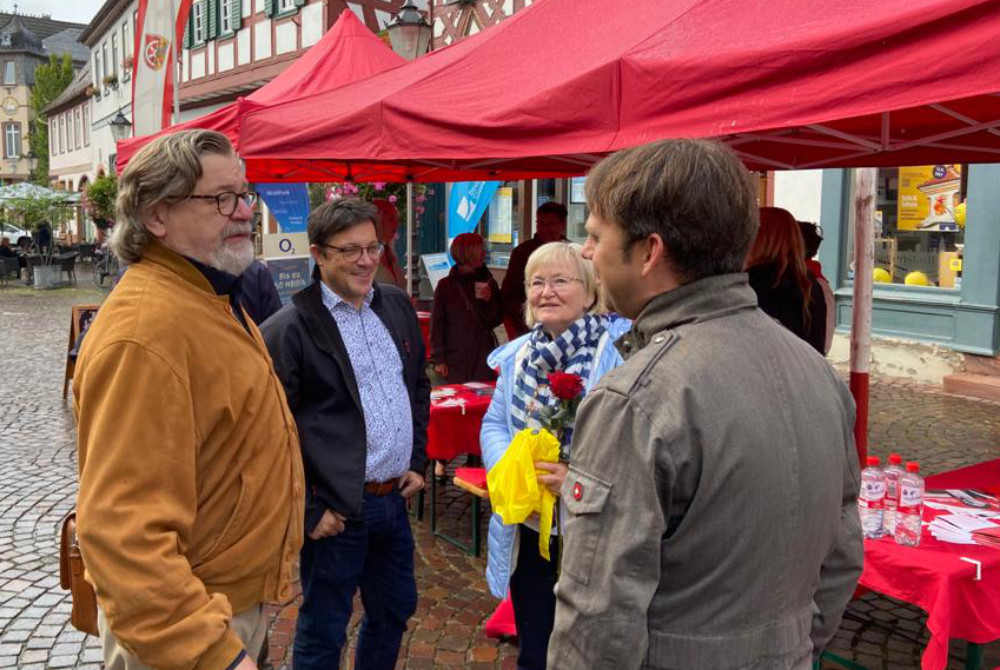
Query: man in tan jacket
{"points": [[190, 510]]}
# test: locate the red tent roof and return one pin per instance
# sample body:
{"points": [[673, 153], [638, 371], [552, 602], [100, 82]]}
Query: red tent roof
{"points": [[347, 53], [787, 83]]}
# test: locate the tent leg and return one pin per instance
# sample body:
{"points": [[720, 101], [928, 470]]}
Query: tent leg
{"points": [[861, 316], [409, 238]]}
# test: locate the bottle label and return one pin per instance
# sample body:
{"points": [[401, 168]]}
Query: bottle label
{"points": [[910, 499], [873, 492]]}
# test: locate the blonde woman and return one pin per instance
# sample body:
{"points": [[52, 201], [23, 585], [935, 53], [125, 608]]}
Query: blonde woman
{"points": [[568, 333]]}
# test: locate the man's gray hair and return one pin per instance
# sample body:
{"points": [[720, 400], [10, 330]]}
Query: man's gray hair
{"points": [[164, 171]]}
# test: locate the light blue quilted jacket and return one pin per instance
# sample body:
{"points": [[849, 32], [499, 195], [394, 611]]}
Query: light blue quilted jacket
{"points": [[497, 433]]}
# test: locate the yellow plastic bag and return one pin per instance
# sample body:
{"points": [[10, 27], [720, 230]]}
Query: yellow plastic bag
{"points": [[514, 491]]}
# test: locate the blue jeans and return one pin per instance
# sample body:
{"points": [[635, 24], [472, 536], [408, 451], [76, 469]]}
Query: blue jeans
{"points": [[374, 554]]}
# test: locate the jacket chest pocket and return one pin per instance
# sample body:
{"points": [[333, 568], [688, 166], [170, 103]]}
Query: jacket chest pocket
{"points": [[585, 498]]}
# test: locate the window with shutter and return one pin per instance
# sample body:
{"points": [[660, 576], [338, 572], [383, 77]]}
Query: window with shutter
{"points": [[237, 13], [213, 18], [188, 31], [300, 3], [269, 7]]}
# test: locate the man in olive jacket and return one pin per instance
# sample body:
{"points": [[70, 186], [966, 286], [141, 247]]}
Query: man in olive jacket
{"points": [[718, 527]]}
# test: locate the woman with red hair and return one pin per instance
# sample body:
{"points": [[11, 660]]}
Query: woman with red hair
{"points": [[389, 271], [777, 269]]}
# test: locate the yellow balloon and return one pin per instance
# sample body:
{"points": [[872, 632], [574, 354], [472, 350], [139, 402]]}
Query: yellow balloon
{"points": [[881, 276], [916, 278], [960, 215]]}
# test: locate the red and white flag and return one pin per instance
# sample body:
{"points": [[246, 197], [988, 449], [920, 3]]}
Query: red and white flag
{"points": [[158, 34]]}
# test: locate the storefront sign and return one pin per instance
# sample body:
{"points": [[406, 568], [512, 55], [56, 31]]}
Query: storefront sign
{"points": [[467, 202], [289, 203], [290, 276], [286, 245], [501, 220], [928, 196]]}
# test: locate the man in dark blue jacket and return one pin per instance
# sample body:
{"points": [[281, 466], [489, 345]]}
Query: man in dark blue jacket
{"points": [[351, 357]]}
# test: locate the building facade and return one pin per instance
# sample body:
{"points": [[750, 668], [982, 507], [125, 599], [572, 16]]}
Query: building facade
{"points": [[71, 165], [110, 37], [454, 20], [25, 43]]}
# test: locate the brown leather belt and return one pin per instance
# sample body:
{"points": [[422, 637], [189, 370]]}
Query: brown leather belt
{"points": [[380, 488]]}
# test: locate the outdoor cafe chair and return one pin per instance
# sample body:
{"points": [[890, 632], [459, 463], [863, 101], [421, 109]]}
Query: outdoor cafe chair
{"points": [[68, 264], [9, 269]]}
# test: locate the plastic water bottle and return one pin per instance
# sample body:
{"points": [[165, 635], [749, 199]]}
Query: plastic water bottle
{"points": [[911, 506], [871, 500], [892, 475]]}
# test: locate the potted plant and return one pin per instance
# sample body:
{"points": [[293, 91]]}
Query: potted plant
{"points": [[111, 81], [99, 201], [127, 64], [40, 210]]}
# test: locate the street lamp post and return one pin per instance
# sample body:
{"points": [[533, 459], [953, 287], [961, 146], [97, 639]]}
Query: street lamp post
{"points": [[121, 127], [409, 33]]}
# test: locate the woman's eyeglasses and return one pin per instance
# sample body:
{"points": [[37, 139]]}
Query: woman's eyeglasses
{"points": [[558, 284]]}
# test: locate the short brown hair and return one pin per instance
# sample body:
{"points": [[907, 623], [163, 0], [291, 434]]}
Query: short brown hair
{"points": [[164, 171], [696, 194], [335, 216], [467, 249]]}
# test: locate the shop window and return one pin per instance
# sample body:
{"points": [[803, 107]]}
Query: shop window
{"points": [[919, 226], [500, 225]]}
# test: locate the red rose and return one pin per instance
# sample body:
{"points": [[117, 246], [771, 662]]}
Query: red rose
{"points": [[565, 386]]}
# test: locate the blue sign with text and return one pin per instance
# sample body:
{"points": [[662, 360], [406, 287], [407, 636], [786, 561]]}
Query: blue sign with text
{"points": [[290, 276], [289, 203], [467, 202]]}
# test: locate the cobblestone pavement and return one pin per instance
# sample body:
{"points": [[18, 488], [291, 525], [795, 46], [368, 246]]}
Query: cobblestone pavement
{"points": [[38, 485]]}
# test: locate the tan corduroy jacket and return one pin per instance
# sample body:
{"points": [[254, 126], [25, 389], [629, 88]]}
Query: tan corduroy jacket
{"points": [[191, 486]]}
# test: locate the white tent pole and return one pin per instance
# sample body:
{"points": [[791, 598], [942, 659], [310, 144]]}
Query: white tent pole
{"points": [[409, 238], [861, 316]]}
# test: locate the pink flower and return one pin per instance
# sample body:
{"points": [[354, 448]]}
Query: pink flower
{"points": [[430, 191], [379, 185], [420, 198], [418, 209], [393, 199]]}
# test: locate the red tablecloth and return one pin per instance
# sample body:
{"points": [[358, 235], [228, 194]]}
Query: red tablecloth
{"points": [[424, 319], [456, 419], [933, 577]]}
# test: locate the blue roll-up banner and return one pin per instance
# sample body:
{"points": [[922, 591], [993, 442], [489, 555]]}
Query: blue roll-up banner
{"points": [[289, 203], [467, 202]]}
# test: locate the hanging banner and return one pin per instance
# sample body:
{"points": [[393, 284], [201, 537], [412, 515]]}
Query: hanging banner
{"points": [[928, 196], [467, 202], [159, 29], [289, 203]]}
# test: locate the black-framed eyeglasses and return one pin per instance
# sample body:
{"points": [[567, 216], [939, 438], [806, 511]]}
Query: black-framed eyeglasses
{"points": [[227, 201], [352, 253]]}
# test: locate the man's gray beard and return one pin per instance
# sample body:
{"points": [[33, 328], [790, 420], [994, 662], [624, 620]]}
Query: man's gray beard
{"points": [[232, 260]]}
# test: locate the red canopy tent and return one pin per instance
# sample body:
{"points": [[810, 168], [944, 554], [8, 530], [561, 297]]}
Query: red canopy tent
{"points": [[348, 52], [565, 82], [550, 90]]}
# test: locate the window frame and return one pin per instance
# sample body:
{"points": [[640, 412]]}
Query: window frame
{"points": [[199, 31], [86, 126], [77, 128], [114, 53], [9, 66], [12, 137], [226, 18], [286, 7]]}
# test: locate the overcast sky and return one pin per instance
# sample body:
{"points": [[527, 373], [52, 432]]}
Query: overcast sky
{"points": [[79, 11]]}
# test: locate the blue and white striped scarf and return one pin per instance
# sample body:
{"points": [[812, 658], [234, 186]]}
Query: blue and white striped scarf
{"points": [[571, 352]]}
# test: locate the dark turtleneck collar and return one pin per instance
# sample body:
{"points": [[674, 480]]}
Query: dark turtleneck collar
{"points": [[225, 284]]}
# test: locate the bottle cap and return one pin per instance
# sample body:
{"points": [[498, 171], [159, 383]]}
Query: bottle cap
{"points": [[895, 459], [913, 466], [873, 460]]}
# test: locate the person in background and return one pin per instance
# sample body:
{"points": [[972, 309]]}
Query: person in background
{"points": [[351, 356], [389, 270], [812, 237], [466, 310], [569, 333], [711, 503], [6, 250], [259, 297], [785, 290], [190, 505], [550, 226], [43, 238]]}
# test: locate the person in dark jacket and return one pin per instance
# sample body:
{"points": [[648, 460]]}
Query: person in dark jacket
{"points": [[550, 226], [466, 310], [259, 296], [785, 290], [351, 357]]}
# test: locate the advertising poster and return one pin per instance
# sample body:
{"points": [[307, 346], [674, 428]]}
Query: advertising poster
{"points": [[289, 203], [290, 276], [501, 219], [928, 196]]}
